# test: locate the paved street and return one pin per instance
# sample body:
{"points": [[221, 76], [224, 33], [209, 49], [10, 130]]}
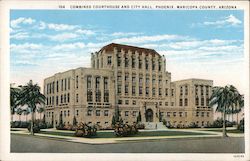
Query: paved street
{"points": [[25, 143]]}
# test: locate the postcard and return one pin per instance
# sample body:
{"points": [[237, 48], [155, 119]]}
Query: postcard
{"points": [[124, 80]]}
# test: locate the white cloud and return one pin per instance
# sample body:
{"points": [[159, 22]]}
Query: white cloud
{"points": [[63, 37], [20, 36], [144, 39], [230, 20], [22, 20], [61, 27], [120, 34], [85, 32]]}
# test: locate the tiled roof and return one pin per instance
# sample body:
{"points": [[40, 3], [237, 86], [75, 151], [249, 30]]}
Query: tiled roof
{"points": [[110, 47]]}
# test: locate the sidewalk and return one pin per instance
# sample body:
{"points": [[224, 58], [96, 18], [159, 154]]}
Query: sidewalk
{"points": [[122, 139]]}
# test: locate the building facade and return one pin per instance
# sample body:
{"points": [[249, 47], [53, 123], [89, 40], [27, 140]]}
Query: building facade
{"points": [[132, 80]]}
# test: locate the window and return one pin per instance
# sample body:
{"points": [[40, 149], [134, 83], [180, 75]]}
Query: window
{"points": [[153, 65], [207, 114], [65, 84], [202, 101], [126, 89], [98, 96], [180, 103], [146, 64], [174, 114], [166, 92], [133, 79], [207, 91], [68, 113], [126, 78], [106, 96], [77, 112], [106, 112], [126, 102], [68, 98], [172, 92], [77, 81], [97, 112], [153, 81], [160, 92], [89, 96], [186, 90], [180, 114], [134, 113], [172, 103], [57, 89], [89, 82], [65, 98], [202, 114], [65, 114], [140, 63], [118, 61], [105, 83], [126, 62], [181, 92], [62, 85], [120, 102], [52, 100], [186, 102], [147, 81], [207, 101], [133, 90], [160, 103], [56, 100], [53, 87], [159, 82], [126, 113], [109, 60], [97, 82], [202, 92], [119, 89], [61, 98], [147, 91], [140, 80], [134, 102], [89, 113], [186, 114], [166, 103], [197, 101], [168, 114], [133, 62], [159, 66], [76, 97], [153, 91], [68, 83], [197, 114], [140, 90]]}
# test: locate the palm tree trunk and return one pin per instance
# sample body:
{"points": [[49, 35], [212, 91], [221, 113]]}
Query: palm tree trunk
{"points": [[11, 118], [237, 118], [224, 123], [32, 123]]}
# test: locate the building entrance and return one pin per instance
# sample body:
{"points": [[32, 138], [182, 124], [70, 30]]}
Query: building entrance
{"points": [[149, 115]]}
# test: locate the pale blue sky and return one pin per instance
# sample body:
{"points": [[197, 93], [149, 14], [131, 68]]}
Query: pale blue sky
{"points": [[196, 43]]}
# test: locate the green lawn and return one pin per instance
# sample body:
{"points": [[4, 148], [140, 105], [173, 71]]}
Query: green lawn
{"points": [[229, 131], [110, 134]]}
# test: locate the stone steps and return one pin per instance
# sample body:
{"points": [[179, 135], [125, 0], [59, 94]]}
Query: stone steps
{"points": [[154, 125]]}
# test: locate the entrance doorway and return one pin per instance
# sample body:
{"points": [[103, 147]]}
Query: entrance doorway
{"points": [[149, 115]]}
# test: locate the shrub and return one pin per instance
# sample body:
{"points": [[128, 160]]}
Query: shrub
{"points": [[61, 127], [125, 129], [241, 125], [36, 128], [140, 126], [192, 125], [164, 122], [84, 130]]}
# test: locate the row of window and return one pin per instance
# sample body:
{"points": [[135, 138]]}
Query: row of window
{"points": [[97, 82], [126, 102], [185, 102], [65, 98], [140, 90], [185, 88], [202, 114], [201, 87], [201, 101], [98, 96], [54, 86]]}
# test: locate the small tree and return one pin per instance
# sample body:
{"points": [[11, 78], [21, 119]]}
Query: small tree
{"points": [[120, 121], [138, 119], [164, 122], [74, 121], [113, 120]]}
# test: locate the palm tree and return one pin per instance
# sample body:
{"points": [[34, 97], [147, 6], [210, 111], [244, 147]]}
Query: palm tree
{"points": [[223, 99], [40, 110], [14, 98], [30, 95], [19, 111]]}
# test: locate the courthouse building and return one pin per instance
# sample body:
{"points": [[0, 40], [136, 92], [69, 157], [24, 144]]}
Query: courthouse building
{"points": [[132, 80]]}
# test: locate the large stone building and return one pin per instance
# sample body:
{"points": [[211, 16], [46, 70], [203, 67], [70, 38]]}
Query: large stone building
{"points": [[132, 80]]}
